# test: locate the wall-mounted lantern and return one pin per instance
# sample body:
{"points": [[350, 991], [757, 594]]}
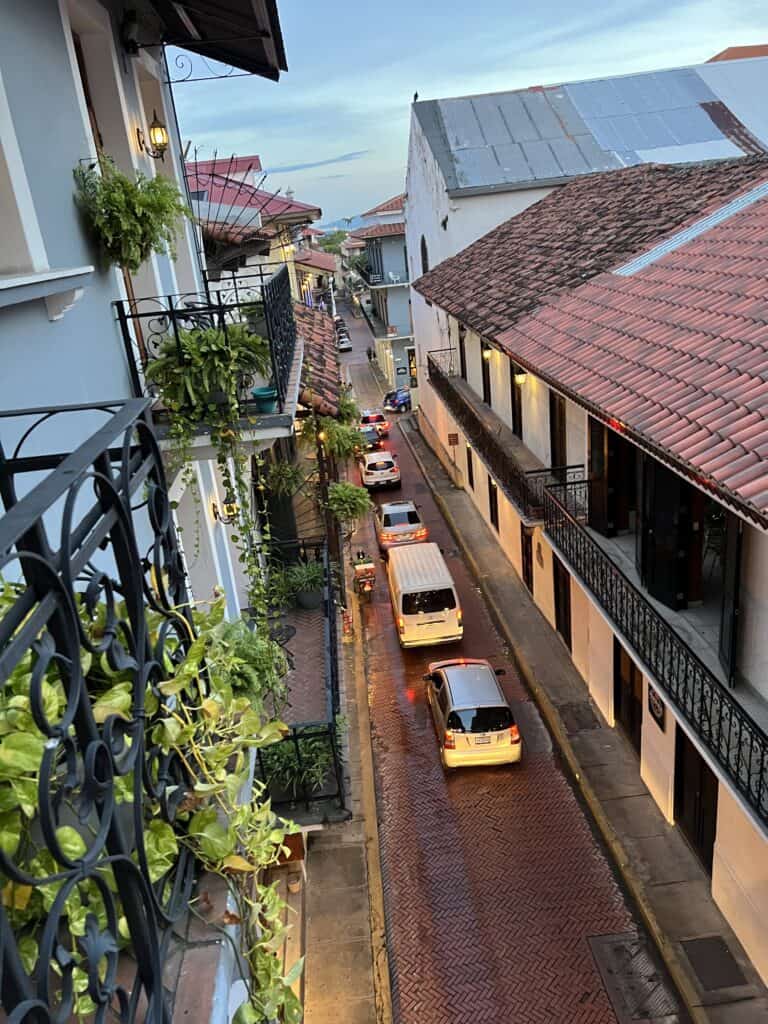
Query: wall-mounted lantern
{"points": [[158, 139], [520, 377], [487, 353]]}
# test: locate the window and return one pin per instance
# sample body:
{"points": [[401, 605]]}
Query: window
{"points": [[424, 256], [480, 720], [408, 518], [493, 504], [429, 601], [470, 469], [382, 465]]}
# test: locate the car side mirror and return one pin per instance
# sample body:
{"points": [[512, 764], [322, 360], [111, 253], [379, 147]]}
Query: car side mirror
{"points": [[427, 677], [500, 671]]}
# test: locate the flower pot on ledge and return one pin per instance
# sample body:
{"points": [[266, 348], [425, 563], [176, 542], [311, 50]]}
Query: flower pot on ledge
{"points": [[265, 399], [309, 600]]}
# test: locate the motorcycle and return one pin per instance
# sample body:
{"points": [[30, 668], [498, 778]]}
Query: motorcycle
{"points": [[364, 578]]}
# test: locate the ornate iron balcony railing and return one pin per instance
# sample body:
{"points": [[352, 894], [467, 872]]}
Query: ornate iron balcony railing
{"points": [[91, 543], [523, 487], [734, 739], [266, 305]]}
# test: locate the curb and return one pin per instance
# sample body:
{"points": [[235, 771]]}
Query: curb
{"points": [[380, 956], [554, 722]]}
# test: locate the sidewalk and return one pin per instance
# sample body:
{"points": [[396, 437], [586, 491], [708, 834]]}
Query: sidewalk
{"points": [[718, 983]]}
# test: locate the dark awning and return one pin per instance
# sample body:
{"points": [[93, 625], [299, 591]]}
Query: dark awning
{"points": [[242, 33]]}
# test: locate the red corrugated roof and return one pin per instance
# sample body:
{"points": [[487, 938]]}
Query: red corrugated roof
{"points": [[579, 230], [741, 52], [317, 259], [388, 206], [320, 379], [380, 230], [227, 165], [676, 353], [225, 193]]}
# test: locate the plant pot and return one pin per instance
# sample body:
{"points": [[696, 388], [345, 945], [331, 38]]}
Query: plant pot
{"points": [[257, 325], [309, 600], [265, 399], [217, 397]]}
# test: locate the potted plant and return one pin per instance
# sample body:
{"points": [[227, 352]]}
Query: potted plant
{"points": [[306, 580], [264, 398], [130, 219]]}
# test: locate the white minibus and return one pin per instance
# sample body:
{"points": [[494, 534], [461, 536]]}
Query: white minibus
{"points": [[424, 598]]}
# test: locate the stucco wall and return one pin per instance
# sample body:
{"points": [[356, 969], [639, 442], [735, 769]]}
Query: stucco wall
{"points": [[399, 309], [600, 675], [657, 757], [473, 349], [543, 580], [393, 257], [753, 616], [740, 877], [575, 434], [536, 417]]}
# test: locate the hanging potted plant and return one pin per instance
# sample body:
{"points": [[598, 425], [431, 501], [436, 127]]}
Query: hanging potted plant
{"points": [[129, 218]]}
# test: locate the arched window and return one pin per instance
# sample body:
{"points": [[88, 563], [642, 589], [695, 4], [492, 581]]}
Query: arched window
{"points": [[424, 256]]}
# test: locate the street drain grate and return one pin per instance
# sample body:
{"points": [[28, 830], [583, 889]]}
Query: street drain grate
{"points": [[577, 717], [713, 963], [634, 983]]}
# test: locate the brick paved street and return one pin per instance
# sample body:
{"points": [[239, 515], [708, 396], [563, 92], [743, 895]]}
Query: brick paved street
{"points": [[494, 880]]}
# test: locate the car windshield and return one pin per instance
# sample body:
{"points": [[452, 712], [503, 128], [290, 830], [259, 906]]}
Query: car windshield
{"points": [[408, 517], [480, 720], [374, 417], [370, 434], [429, 601], [382, 464]]}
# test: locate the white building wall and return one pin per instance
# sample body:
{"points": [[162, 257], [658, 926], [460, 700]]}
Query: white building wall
{"points": [[536, 417], [740, 877], [657, 757], [752, 657], [575, 433], [473, 349]]}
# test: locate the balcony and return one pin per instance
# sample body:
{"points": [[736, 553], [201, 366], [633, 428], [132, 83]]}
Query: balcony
{"points": [[734, 738], [261, 301], [516, 470], [372, 278]]}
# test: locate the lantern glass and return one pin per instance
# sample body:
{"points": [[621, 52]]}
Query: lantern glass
{"points": [[158, 135]]}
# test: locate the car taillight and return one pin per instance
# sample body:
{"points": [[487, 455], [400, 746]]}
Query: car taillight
{"points": [[401, 625], [514, 734], [389, 536], [385, 425], [449, 741], [459, 617], [420, 533]]}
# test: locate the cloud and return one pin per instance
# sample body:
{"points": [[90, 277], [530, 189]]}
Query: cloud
{"points": [[329, 177], [342, 159]]}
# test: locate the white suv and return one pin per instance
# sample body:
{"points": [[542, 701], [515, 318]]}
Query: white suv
{"points": [[379, 469]]}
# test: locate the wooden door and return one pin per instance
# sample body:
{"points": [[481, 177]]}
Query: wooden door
{"points": [[557, 434], [562, 583], [627, 695], [729, 612], [665, 529], [516, 396], [485, 364], [462, 352], [526, 547], [696, 791]]}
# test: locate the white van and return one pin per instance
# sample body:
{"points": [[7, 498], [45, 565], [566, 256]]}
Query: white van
{"points": [[424, 598]]}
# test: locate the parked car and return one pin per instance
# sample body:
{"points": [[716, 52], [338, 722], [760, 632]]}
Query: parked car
{"points": [[343, 343], [398, 523], [398, 400], [370, 418], [473, 721], [371, 441], [379, 469]]}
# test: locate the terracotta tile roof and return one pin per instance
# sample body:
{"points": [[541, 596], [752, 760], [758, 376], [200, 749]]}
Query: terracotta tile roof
{"points": [[350, 242], [579, 230], [316, 259], [320, 377], [675, 354], [309, 232], [388, 206], [741, 52], [380, 230]]}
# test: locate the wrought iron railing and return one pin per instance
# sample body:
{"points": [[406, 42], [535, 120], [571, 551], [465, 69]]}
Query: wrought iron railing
{"points": [[733, 738], [146, 324], [370, 276], [523, 487], [89, 542]]}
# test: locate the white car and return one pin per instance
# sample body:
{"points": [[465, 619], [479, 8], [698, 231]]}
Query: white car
{"points": [[371, 418], [344, 344], [379, 469], [473, 721], [398, 523]]}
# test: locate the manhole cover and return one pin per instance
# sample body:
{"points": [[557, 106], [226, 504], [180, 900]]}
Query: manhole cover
{"points": [[713, 963], [635, 985], [577, 717]]}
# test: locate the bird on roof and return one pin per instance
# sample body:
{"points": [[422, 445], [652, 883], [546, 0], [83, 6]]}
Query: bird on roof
{"points": [[415, 96]]}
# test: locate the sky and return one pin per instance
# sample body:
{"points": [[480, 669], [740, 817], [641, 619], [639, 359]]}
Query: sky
{"points": [[335, 127]]}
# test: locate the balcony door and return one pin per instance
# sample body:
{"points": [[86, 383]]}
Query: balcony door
{"points": [[731, 569], [485, 366], [462, 351], [696, 789], [557, 432], [613, 480], [516, 395], [668, 549], [526, 547]]}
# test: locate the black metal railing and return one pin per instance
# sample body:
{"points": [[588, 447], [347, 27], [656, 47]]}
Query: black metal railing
{"points": [[734, 739], [93, 588], [371, 277], [523, 487], [146, 325]]}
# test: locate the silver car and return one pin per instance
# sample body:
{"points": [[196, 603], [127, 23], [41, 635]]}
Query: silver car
{"points": [[399, 522]]}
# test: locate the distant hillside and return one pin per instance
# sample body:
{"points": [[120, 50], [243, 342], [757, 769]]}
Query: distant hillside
{"points": [[342, 224]]}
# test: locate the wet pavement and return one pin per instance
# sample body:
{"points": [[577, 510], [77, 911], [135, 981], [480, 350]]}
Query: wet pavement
{"points": [[494, 880]]}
